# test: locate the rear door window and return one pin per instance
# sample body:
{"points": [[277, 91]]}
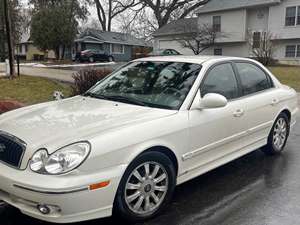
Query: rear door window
{"points": [[253, 79]]}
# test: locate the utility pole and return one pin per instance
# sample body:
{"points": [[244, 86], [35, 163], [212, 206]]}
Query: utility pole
{"points": [[2, 33], [9, 39]]}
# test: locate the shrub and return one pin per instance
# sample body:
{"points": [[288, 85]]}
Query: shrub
{"points": [[8, 105], [85, 79]]}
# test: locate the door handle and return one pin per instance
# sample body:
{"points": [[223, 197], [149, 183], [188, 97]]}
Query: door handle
{"points": [[275, 101], [238, 113]]}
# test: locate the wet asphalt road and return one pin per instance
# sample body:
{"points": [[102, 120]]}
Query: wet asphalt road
{"points": [[253, 190]]}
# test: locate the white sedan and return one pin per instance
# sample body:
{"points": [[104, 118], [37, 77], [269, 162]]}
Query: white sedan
{"points": [[124, 145]]}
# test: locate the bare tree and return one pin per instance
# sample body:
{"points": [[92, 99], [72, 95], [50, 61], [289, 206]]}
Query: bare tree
{"points": [[138, 22], [108, 10], [198, 38], [144, 19], [168, 10], [262, 46]]}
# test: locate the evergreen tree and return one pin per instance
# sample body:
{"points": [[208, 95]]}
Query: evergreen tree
{"points": [[54, 23]]}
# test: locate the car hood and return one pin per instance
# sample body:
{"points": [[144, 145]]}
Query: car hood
{"points": [[56, 124]]}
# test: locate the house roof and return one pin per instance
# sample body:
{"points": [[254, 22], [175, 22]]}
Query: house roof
{"points": [[220, 5], [111, 37], [178, 27]]}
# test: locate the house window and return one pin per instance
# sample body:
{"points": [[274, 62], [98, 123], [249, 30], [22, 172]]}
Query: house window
{"points": [[20, 49], [298, 16], [218, 51], [26, 48], [290, 16], [298, 51], [217, 23], [256, 40], [290, 51], [117, 49]]}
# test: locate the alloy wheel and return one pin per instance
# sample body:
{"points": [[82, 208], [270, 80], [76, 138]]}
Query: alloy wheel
{"points": [[280, 133], [146, 188]]}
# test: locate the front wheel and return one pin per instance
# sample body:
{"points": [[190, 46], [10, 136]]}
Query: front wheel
{"points": [[146, 187], [91, 60], [278, 136]]}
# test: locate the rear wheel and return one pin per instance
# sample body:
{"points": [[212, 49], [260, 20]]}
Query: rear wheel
{"points": [[110, 59], [146, 187], [278, 136]]}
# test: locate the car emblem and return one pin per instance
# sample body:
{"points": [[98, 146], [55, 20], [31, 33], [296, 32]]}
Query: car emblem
{"points": [[2, 148]]}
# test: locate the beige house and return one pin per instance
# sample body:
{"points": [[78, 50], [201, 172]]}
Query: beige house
{"points": [[28, 51], [243, 21]]}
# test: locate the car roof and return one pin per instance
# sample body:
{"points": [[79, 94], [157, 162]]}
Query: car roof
{"points": [[189, 59]]}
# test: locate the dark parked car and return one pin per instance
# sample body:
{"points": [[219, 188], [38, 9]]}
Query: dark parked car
{"points": [[164, 52], [93, 56]]}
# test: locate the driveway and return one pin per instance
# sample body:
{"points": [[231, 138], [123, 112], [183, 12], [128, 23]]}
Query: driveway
{"points": [[253, 190]]}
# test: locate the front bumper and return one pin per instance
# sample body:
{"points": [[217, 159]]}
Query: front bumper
{"points": [[67, 196]]}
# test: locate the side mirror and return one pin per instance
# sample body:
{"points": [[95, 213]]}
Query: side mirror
{"points": [[212, 100]]}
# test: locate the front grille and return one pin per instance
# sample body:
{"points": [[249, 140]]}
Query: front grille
{"points": [[11, 150]]}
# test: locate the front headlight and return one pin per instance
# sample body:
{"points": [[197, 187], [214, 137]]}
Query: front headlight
{"points": [[62, 161]]}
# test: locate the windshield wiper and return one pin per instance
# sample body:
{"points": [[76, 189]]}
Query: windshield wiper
{"points": [[125, 100], [93, 95], [117, 98]]}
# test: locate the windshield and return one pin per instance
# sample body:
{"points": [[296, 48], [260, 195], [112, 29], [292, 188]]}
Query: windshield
{"points": [[153, 84]]}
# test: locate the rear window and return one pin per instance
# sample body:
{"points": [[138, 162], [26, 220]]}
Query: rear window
{"points": [[253, 79]]}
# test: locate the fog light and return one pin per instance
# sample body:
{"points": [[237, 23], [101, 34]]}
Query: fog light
{"points": [[43, 209]]}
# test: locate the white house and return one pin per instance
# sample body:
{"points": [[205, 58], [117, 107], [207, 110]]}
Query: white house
{"points": [[241, 21]]}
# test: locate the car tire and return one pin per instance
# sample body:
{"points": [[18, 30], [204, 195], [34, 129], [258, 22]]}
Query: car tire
{"points": [[278, 135], [110, 59], [149, 201], [91, 60]]}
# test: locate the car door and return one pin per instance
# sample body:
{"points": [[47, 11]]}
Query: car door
{"points": [[260, 101], [215, 133], [106, 56]]}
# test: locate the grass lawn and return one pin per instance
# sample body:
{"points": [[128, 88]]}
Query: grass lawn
{"points": [[31, 90], [289, 75]]}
